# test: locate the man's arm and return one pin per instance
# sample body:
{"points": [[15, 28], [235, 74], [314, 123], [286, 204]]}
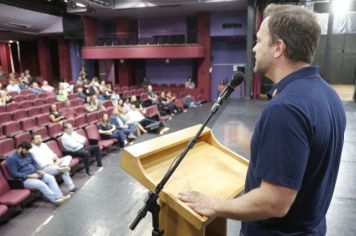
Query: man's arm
{"points": [[12, 167], [267, 201]]}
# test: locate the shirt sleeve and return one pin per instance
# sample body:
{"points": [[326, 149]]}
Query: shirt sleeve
{"points": [[283, 147], [12, 167]]}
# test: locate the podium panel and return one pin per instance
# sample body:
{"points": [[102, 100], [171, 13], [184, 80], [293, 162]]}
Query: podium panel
{"points": [[209, 168]]}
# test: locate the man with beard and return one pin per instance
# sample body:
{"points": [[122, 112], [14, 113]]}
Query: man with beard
{"points": [[21, 165], [297, 141]]}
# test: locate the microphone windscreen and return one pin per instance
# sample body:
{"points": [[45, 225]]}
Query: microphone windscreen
{"points": [[237, 79]]}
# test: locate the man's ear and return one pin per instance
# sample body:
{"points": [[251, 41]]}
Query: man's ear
{"points": [[280, 48]]}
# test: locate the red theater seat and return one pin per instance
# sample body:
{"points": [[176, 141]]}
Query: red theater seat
{"points": [[92, 117], [54, 130], [44, 109], [25, 104], [12, 107], [7, 145], [19, 114], [92, 133], [53, 145], [11, 197], [80, 121], [152, 111], [5, 117], [34, 111], [28, 124], [12, 128], [42, 120], [39, 102], [25, 136]]}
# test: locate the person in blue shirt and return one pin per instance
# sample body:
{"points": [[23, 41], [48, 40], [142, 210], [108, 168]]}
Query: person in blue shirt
{"points": [[21, 165], [297, 142]]}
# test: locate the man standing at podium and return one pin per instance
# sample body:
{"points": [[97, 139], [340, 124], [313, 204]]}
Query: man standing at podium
{"points": [[297, 142]]}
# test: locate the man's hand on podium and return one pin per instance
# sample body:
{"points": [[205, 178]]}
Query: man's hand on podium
{"points": [[200, 203]]}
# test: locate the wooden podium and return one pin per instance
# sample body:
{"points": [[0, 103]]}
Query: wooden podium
{"points": [[209, 168]]}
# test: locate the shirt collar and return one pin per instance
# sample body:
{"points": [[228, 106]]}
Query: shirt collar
{"points": [[298, 74]]}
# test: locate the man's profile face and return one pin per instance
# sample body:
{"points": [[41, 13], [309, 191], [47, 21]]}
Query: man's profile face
{"points": [[37, 140], [263, 50]]}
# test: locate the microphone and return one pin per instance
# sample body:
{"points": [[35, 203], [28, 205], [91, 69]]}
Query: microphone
{"points": [[237, 79]]}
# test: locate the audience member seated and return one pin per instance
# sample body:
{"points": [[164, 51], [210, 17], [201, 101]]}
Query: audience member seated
{"points": [[109, 131], [13, 86], [167, 104], [128, 129], [5, 98], [188, 102], [127, 104], [46, 87], [67, 111], [127, 120], [50, 163], [74, 143], [21, 165], [62, 96], [93, 104], [145, 83], [189, 83], [80, 79], [64, 85], [35, 88], [151, 95], [136, 116], [80, 94], [89, 90], [24, 82], [29, 78], [54, 115]]}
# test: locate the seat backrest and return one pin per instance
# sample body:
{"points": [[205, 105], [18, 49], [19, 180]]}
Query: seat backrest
{"points": [[83, 133], [42, 119], [34, 111], [6, 146], [5, 117], [54, 129], [25, 136], [4, 170], [44, 108], [12, 106], [53, 145], [25, 104], [4, 186], [92, 132], [92, 117], [80, 120], [12, 127], [28, 123], [19, 114]]}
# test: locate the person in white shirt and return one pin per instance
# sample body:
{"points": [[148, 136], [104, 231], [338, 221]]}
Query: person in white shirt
{"points": [[50, 163], [74, 143], [13, 87]]}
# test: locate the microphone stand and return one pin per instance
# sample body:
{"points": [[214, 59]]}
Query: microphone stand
{"points": [[151, 204]]}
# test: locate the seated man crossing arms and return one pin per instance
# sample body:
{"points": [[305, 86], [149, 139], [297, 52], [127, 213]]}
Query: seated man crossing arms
{"points": [[50, 163]]}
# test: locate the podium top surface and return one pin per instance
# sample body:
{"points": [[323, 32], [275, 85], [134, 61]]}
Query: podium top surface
{"points": [[209, 168]]}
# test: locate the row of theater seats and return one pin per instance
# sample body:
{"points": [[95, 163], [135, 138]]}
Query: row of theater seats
{"points": [[154, 40], [12, 194], [12, 199]]}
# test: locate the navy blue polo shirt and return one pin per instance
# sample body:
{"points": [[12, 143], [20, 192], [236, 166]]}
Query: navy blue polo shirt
{"points": [[297, 143]]}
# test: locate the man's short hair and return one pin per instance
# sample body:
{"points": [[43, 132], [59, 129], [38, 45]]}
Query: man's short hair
{"points": [[34, 135], [297, 27], [25, 145], [66, 125]]}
